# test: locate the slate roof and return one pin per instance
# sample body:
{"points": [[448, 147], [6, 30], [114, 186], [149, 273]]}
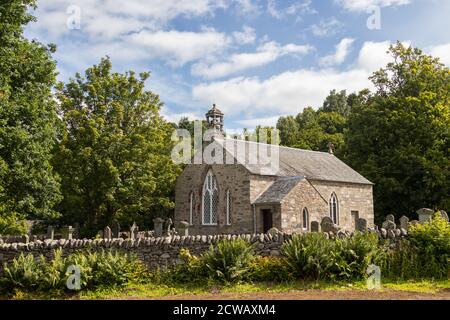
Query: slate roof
{"points": [[278, 190], [294, 162]]}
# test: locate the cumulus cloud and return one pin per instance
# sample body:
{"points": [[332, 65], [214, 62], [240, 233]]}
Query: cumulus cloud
{"points": [[179, 47], [264, 54], [363, 5], [440, 51], [246, 36], [289, 92], [299, 7], [342, 50], [326, 27]]}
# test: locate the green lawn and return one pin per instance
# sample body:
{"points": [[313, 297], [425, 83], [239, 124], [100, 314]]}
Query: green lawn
{"points": [[149, 290]]}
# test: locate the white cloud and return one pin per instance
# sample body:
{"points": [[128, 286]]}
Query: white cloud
{"points": [[342, 51], [251, 123], [247, 35], [440, 51], [288, 92], [180, 47], [299, 7], [363, 5], [264, 54], [326, 27]]}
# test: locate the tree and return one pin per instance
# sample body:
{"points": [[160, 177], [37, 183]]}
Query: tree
{"points": [[28, 121], [399, 136], [114, 158], [289, 130], [337, 102]]}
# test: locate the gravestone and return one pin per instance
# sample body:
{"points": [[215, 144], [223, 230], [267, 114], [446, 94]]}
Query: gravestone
{"points": [[183, 228], [107, 234], [389, 223], [70, 231], [404, 222], [50, 233], [326, 225], [158, 226], [425, 214], [273, 231], [361, 225], [169, 224], [134, 231], [314, 226], [444, 215]]}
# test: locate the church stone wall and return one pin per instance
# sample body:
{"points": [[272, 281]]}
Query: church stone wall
{"points": [[351, 197], [304, 195], [233, 177]]}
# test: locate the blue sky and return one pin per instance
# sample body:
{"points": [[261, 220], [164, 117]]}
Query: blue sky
{"points": [[256, 59]]}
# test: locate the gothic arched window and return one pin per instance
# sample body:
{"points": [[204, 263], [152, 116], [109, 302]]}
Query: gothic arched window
{"points": [[305, 221], [334, 208], [191, 208], [229, 208], [210, 203]]}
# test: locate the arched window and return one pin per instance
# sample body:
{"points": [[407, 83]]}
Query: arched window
{"points": [[334, 208], [191, 208], [228, 207], [210, 201], [305, 221]]}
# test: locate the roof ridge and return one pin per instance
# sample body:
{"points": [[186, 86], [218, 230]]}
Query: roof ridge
{"points": [[284, 147]]}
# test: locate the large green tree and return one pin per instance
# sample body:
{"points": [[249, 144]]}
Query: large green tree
{"points": [[399, 137], [28, 119], [114, 158]]}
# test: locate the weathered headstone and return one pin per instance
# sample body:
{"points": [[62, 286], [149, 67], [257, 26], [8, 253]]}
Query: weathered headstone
{"points": [[326, 225], [390, 217], [70, 231], [134, 231], [107, 234], [183, 228], [314, 226], [50, 233], [389, 223], [404, 222], [158, 226], [168, 226], [361, 225], [273, 231], [115, 230], [425, 214], [444, 215]]}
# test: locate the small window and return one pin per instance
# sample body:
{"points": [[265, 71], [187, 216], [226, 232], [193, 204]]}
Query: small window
{"points": [[228, 207], [191, 208], [334, 208], [305, 221]]}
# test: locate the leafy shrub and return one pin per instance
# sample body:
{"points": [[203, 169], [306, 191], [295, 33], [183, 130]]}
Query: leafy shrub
{"points": [[191, 270], [229, 260], [308, 255], [425, 254], [24, 272], [263, 269], [97, 269], [11, 224], [314, 256]]}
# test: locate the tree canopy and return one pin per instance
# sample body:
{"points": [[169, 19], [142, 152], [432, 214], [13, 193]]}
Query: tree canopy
{"points": [[28, 121], [114, 157]]}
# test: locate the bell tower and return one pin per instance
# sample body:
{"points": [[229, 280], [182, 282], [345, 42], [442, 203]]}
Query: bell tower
{"points": [[214, 119]]}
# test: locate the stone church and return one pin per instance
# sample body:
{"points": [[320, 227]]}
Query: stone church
{"points": [[237, 197]]}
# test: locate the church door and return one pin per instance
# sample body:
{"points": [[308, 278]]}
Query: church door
{"points": [[267, 220]]}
